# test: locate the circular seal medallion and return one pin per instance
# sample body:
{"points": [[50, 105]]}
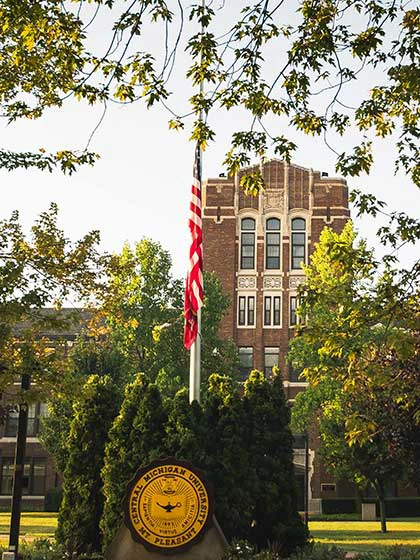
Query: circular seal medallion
{"points": [[168, 505]]}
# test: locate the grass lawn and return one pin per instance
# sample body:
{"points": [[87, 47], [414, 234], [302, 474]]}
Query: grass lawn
{"points": [[32, 525], [358, 536], [363, 536]]}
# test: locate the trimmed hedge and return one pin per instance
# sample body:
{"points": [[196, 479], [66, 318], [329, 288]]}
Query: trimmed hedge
{"points": [[394, 507], [401, 507], [338, 505]]}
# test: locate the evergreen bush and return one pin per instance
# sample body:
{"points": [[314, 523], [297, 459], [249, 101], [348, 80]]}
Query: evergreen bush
{"points": [[81, 508], [244, 443], [239, 436], [135, 439]]}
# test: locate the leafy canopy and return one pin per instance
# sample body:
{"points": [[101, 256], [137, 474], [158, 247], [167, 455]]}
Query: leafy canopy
{"points": [[292, 69], [358, 346], [39, 273]]}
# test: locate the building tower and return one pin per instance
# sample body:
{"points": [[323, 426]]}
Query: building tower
{"points": [[256, 246]]}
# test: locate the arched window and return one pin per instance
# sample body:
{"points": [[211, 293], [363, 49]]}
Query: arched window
{"points": [[298, 242], [247, 243], [272, 244]]}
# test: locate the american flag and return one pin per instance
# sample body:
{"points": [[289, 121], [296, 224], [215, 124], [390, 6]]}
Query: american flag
{"points": [[194, 287]]}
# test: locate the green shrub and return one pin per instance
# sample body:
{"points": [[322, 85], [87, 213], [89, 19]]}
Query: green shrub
{"points": [[240, 550], [338, 505], [244, 443], [241, 438], [319, 552], [402, 507], [135, 439], [392, 553], [45, 549], [394, 507], [82, 505], [53, 498], [243, 550], [41, 549]]}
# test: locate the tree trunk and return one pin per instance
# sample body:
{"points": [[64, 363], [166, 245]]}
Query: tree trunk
{"points": [[379, 486]]}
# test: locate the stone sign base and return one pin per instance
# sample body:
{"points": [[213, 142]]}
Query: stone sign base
{"points": [[212, 547]]}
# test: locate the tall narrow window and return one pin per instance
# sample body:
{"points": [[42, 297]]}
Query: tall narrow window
{"points": [[272, 307], [267, 311], [246, 311], [294, 319], [246, 360], [247, 243], [251, 310], [272, 244], [298, 242], [276, 311], [271, 359], [38, 476], [7, 469], [241, 310]]}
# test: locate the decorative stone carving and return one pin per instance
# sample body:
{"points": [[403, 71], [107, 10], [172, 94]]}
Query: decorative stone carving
{"points": [[295, 281], [273, 199], [272, 282], [247, 282]]}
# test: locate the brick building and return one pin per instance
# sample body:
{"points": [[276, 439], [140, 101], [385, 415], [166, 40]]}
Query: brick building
{"points": [[40, 473], [256, 247]]}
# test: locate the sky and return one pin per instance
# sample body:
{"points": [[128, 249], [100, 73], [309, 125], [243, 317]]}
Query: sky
{"points": [[140, 187]]}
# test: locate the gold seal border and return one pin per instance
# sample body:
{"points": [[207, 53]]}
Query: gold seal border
{"points": [[169, 549], [197, 517]]}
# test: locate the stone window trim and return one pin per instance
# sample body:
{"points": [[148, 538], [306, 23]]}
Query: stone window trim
{"points": [[272, 282], [294, 320], [247, 242], [246, 282], [271, 359], [246, 361], [328, 487], [273, 243], [246, 310], [298, 242], [272, 310]]}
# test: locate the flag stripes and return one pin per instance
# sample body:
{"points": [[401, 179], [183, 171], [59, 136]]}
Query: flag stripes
{"points": [[194, 286]]}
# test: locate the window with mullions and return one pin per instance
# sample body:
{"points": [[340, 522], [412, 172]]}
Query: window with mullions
{"points": [[271, 359], [36, 411], [34, 472], [246, 361], [246, 311], [272, 244], [272, 308], [247, 243], [298, 242], [294, 304]]}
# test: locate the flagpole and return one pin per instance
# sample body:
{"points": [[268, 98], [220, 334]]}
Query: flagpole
{"points": [[195, 352]]}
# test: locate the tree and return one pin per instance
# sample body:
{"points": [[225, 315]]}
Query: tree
{"points": [[81, 508], [138, 327], [93, 356], [375, 462], [356, 326], [135, 439], [329, 45], [142, 306], [41, 271]]}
